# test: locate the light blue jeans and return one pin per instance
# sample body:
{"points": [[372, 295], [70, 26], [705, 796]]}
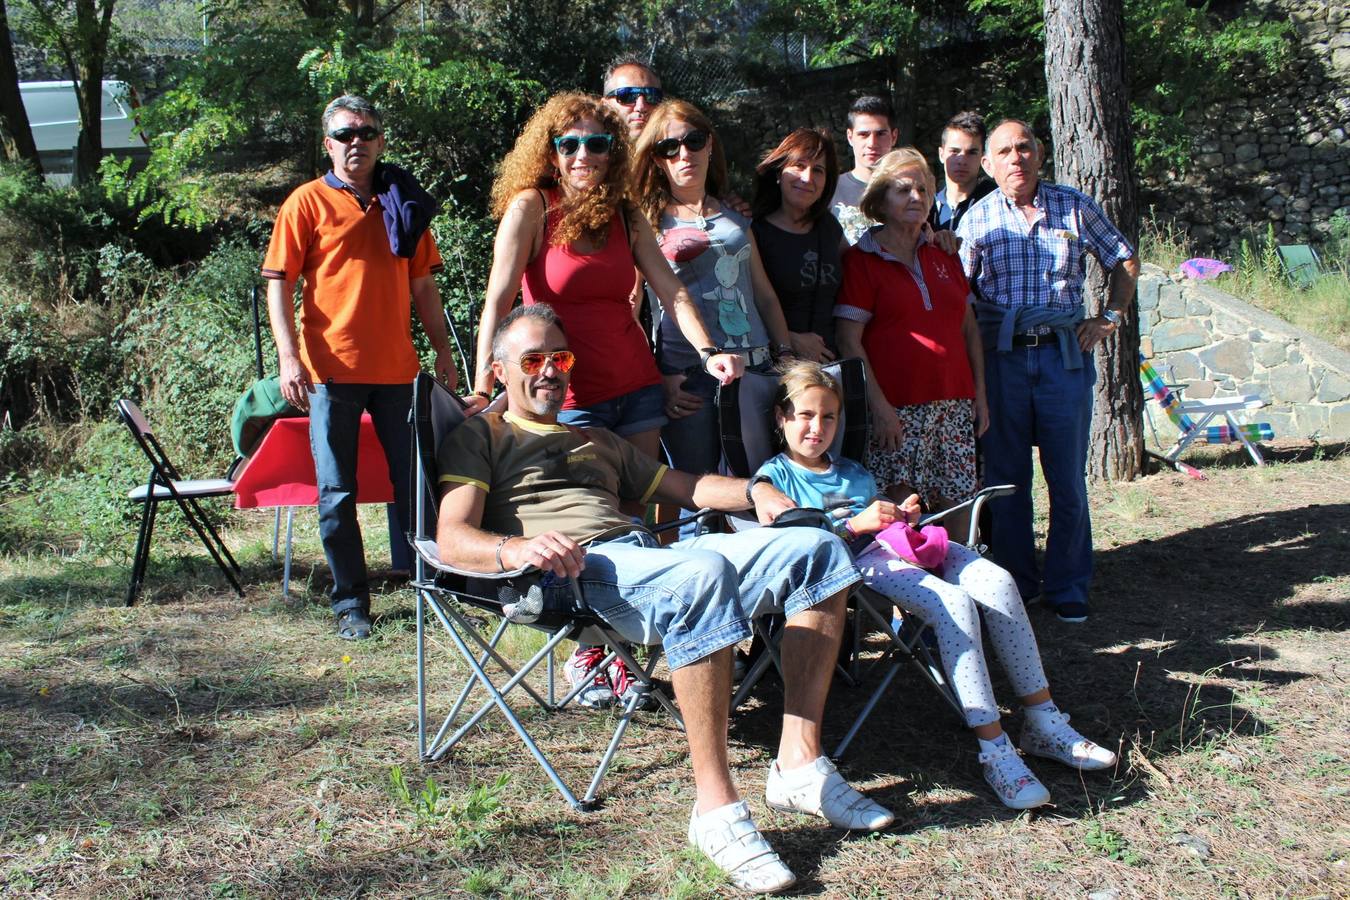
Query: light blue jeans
{"points": [[334, 435], [698, 596]]}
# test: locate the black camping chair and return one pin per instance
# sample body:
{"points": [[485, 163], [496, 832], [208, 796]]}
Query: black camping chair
{"points": [[165, 483], [746, 421], [454, 598]]}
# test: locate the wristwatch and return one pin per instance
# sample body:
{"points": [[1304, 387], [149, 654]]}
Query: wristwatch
{"points": [[750, 487], [707, 353], [1113, 317]]}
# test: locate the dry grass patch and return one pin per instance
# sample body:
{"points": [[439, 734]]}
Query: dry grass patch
{"points": [[199, 746]]}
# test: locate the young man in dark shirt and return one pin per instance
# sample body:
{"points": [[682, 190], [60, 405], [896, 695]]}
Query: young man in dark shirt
{"points": [[960, 150]]}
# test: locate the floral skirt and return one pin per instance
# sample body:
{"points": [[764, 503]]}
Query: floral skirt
{"points": [[937, 452]]}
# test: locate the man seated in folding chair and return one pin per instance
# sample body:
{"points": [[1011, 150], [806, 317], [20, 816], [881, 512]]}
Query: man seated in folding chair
{"points": [[953, 592], [521, 490]]}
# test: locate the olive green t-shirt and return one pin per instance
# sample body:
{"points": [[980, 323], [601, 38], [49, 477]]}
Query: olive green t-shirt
{"points": [[548, 477]]}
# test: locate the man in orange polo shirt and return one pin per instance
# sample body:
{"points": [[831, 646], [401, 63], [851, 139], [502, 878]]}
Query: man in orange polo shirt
{"points": [[354, 352]]}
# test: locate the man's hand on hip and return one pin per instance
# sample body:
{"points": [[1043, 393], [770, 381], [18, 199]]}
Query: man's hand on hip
{"points": [[1092, 332]]}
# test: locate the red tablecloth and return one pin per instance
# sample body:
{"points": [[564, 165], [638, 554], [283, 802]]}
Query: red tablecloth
{"points": [[281, 472]]}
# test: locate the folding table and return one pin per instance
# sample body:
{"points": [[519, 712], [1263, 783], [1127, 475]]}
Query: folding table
{"points": [[281, 473]]}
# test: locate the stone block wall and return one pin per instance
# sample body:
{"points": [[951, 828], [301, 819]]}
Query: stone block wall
{"points": [[1220, 346], [1276, 155]]}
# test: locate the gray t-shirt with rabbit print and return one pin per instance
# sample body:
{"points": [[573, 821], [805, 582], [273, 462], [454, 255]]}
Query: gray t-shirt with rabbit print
{"points": [[713, 261]]}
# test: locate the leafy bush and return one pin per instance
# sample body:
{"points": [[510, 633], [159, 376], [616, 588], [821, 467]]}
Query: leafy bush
{"points": [[191, 351]]}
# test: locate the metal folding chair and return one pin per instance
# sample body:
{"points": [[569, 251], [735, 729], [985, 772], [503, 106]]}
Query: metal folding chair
{"points": [[457, 600], [165, 483], [746, 415]]}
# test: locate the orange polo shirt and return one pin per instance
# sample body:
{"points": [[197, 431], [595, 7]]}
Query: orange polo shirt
{"points": [[356, 312]]}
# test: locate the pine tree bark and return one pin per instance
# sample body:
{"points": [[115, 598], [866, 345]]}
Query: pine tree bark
{"points": [[1093, 151], [16, 134]]}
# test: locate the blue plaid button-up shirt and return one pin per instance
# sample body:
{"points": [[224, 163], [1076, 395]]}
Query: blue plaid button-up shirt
{"points": [[1014, 263]]}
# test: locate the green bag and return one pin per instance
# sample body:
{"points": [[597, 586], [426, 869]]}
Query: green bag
{"points": [[257, 409]]}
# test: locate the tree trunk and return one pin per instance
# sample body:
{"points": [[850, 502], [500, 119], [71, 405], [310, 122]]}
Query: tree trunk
{"points": [[1093, 151], [93, 23], [16, 135]]}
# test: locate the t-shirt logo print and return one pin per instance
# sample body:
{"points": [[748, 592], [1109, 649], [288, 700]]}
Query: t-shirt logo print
{"points": [[683, 244], [732, 315]]}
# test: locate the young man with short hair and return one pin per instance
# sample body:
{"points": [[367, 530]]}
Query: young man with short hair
{"points": [[959, 151], [871, 135]]}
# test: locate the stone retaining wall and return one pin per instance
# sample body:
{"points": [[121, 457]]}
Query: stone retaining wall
{"points": [[1220, 346]]}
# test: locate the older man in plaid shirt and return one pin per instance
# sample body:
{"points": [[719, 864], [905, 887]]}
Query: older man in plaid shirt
{"points": [[1024, 252]]}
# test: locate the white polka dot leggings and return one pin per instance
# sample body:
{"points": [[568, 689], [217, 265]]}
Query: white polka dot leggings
{"points": [[970, 586]]}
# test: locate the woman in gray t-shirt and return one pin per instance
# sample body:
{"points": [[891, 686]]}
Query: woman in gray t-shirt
{"points": [[679, 171]]}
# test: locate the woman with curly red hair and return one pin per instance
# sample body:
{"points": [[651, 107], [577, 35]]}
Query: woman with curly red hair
{"points": [[567, 238]]}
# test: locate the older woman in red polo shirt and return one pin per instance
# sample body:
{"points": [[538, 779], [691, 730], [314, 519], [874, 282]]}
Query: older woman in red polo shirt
{"points": [[904, 309]]}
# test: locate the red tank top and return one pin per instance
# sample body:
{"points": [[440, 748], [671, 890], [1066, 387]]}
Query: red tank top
{"points": [[589, 292]]}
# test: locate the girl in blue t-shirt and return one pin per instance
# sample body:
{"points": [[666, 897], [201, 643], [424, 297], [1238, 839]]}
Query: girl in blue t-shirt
{"points": [[952, 602]]}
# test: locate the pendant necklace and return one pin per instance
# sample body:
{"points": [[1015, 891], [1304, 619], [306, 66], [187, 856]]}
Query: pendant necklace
{"points": [[697, 212]]}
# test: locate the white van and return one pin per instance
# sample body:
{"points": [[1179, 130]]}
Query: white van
{"points": [[54, 115]]}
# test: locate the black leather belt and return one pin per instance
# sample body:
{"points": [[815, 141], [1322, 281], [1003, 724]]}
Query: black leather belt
{"points": [[1034, 340]]}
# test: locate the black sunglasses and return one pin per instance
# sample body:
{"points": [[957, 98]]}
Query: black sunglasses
{"points": [[669, 148], [596, 144], [345, 135], [627, 96]]}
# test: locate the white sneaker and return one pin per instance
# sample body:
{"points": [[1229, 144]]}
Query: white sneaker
{"points": [[730, 839], [1012, 780], [1052, 737], [819, 790], [583, 667]]}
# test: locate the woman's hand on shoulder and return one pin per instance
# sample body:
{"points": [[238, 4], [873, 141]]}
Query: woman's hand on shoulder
{"points": [[945, 240]]}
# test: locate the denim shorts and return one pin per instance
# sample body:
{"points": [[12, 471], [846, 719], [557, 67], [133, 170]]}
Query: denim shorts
{"points": [[698, 596], [632, 413]]}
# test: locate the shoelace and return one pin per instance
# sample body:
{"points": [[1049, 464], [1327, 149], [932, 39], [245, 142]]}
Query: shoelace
{"points": [[589, 660], [620, 678]]}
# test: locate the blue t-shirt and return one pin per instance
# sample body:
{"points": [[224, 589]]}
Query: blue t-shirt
{"points": [[845, 483]]}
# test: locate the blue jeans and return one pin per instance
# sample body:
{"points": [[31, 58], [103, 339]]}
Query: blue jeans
{"points": [[1034, 400], [698, 596], [693, 443], [334, 435], [631, 413]]}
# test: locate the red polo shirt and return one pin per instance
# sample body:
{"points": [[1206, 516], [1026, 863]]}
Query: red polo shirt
{"points": [[912, 332]]}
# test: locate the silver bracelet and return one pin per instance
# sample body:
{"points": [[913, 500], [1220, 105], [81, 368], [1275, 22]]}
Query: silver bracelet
{"points": [[500, 545]]}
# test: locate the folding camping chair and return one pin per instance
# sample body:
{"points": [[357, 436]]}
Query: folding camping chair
{"points": [[456, 598], [746, 415], [1301, 265], [1198, 430], [165, 483]]}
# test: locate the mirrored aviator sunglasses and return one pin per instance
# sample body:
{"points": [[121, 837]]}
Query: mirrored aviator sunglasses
{"points": [[533, 363], [627, 96], [596, 144], [347, 135], [669, 148]]}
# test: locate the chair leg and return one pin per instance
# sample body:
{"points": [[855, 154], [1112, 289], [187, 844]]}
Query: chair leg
{"points": [[212, 541], [142, 552], [1252, 450]]}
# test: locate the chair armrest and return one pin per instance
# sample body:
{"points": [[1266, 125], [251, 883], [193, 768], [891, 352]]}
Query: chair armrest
{"points": [[976, 503]]}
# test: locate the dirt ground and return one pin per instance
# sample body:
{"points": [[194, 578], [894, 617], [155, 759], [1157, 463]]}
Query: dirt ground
{"points": [[200, 746]]}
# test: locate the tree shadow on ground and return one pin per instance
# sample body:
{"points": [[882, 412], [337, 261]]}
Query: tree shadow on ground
{"points": [[1167, 661]]}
